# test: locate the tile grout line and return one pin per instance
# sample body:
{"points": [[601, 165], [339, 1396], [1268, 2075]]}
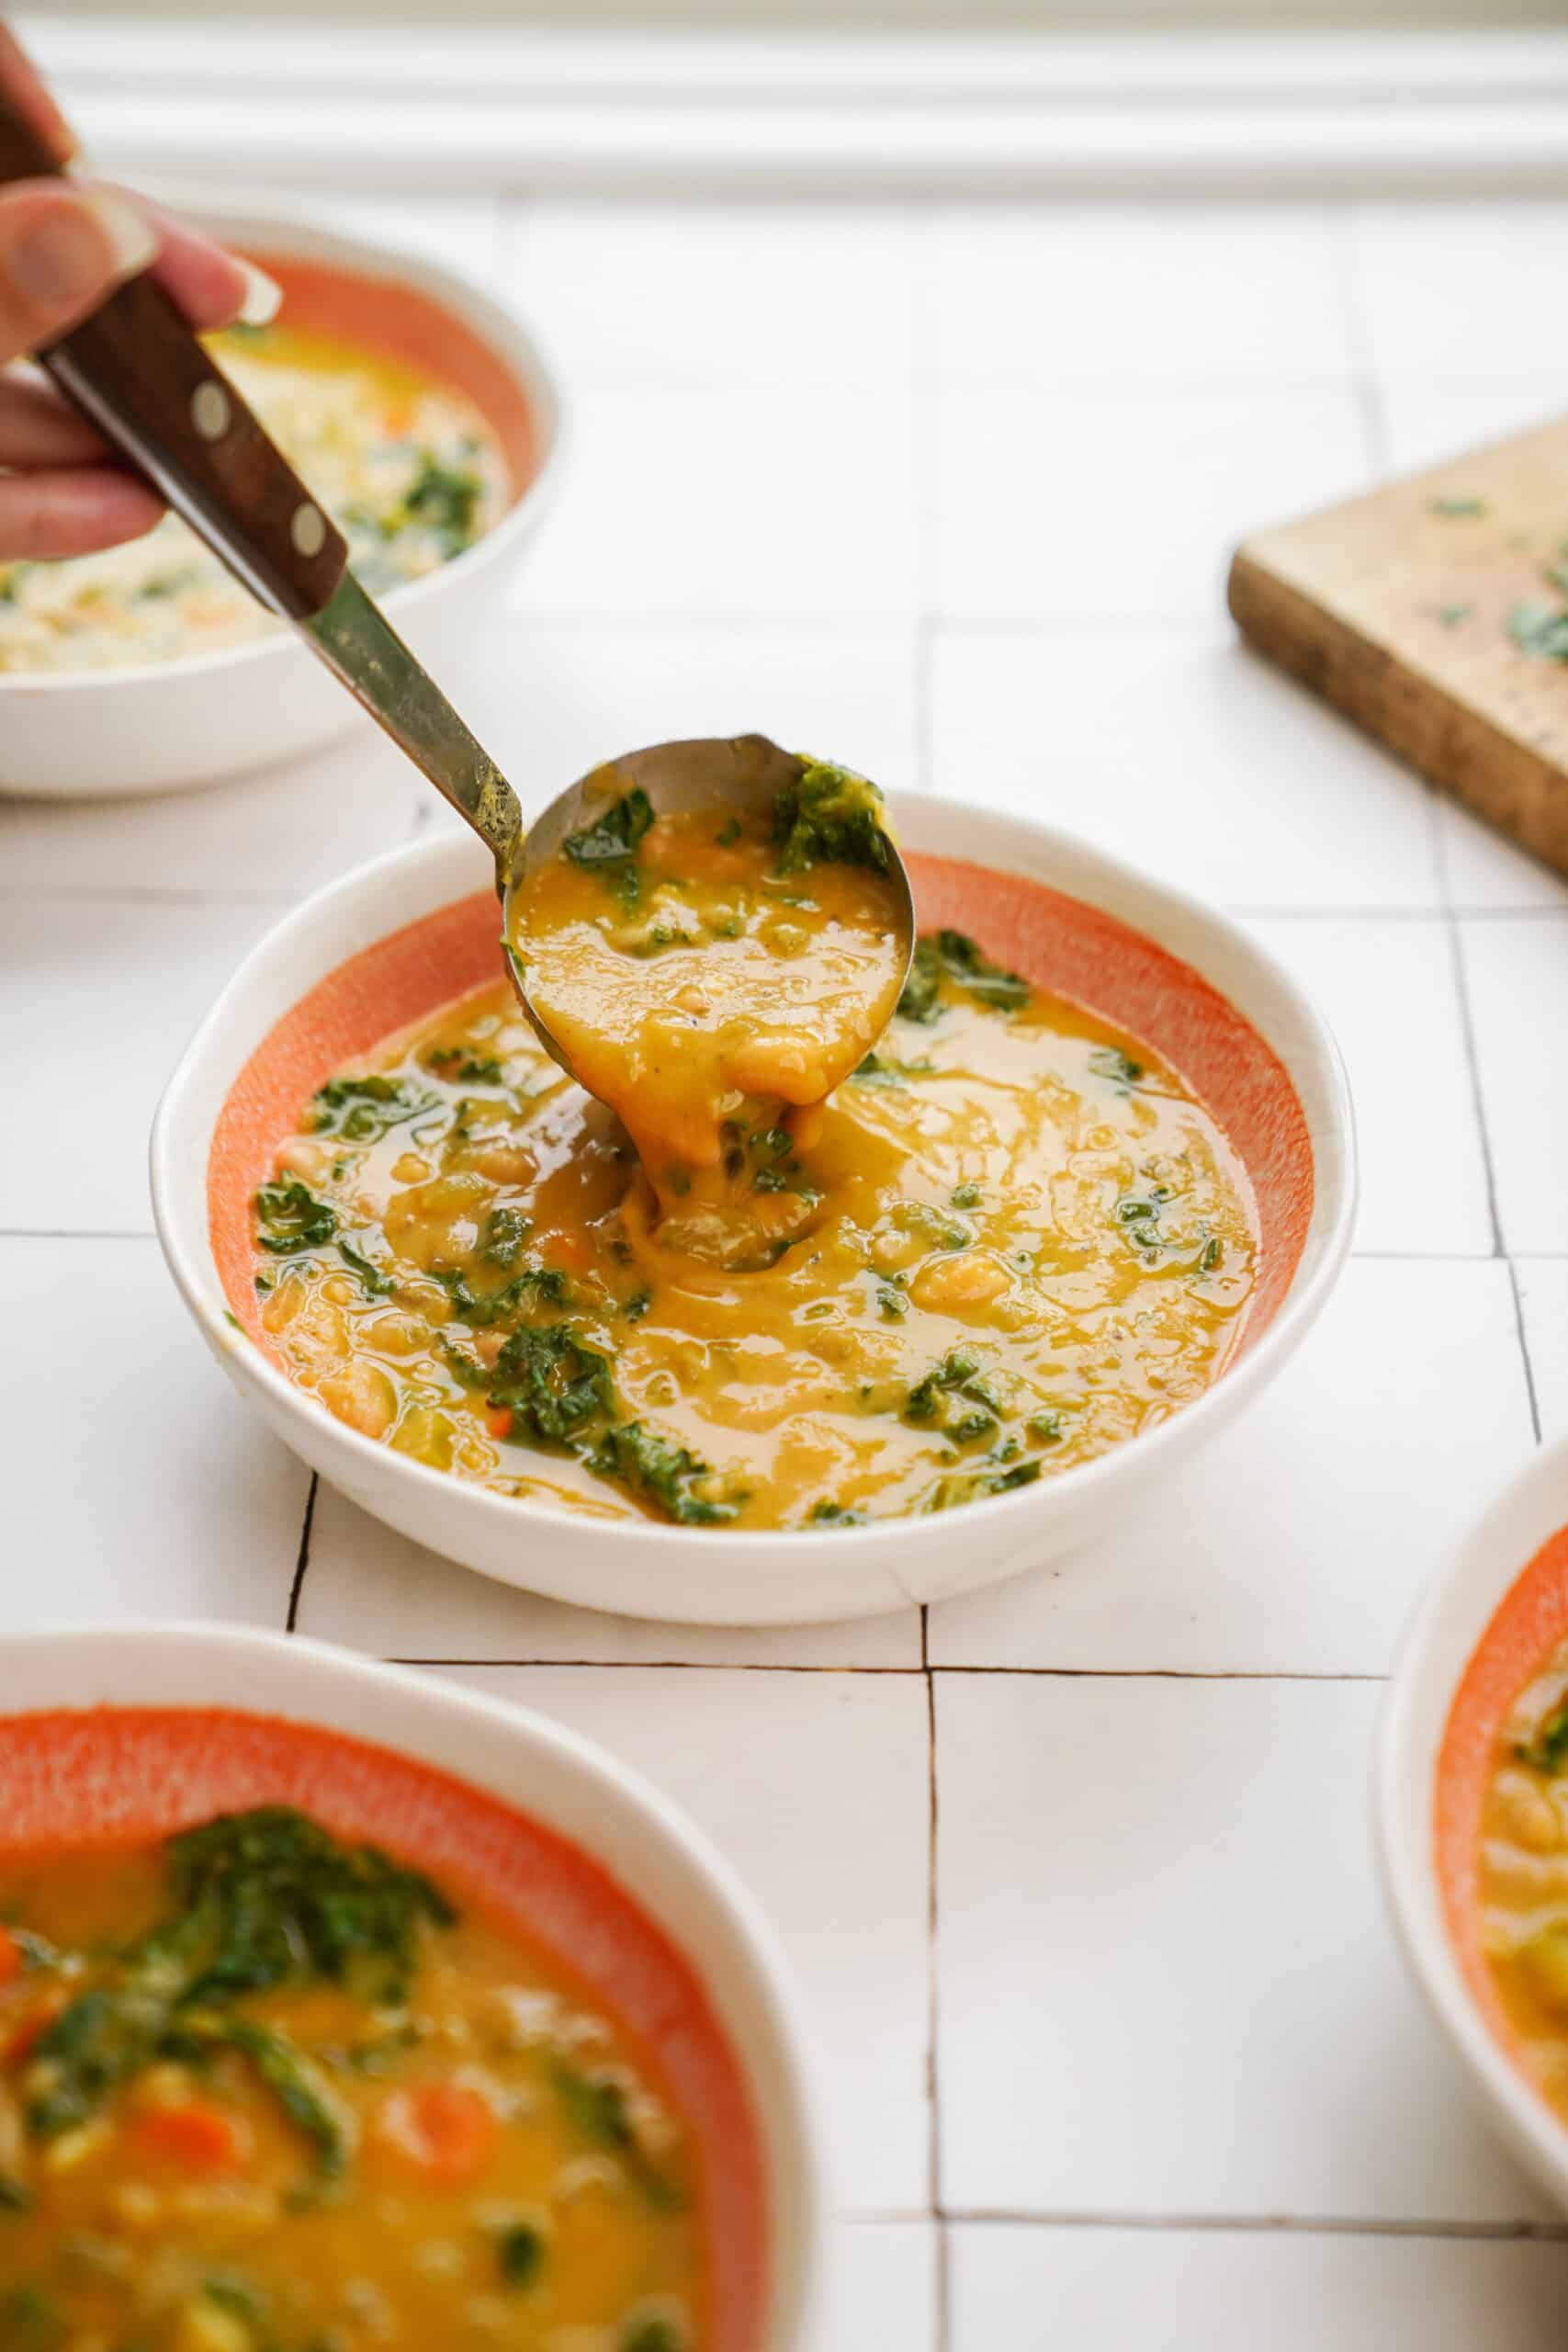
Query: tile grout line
{"points": [[1522, 1328], [303, 1561], [1263, 2225], [934, 2067], [1467, 1039], [925, 1670]]}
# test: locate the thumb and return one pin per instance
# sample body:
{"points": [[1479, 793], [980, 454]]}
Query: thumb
{"points": [[63, 250]]}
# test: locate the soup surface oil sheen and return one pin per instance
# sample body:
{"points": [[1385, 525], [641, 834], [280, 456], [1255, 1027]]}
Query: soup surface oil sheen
{"points": [[263, 2092], [1010, 1239]]}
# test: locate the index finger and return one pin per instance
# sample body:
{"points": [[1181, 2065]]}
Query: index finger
{"points": [[21, 82]]}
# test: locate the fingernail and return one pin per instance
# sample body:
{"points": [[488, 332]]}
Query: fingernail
{"points": [[78, 249], [264, 296]]}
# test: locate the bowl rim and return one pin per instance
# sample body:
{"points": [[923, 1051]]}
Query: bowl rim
{"points": [[793, 2143], [1331, 1138], [512, 340], [1450, 1621]]}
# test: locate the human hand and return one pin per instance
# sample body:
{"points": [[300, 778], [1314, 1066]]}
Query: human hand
{"points": [[64, 246]]}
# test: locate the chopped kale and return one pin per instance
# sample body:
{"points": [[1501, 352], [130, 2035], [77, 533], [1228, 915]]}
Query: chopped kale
{"points": [[595, 2106], [163, 585], [1548, 1751], [1118, 1069], [652, 2335], [891, 1302], [444, 499], [505, 1231], [292, 1217], [977, 976], [636, 1307], [1210, 1256], [1044, 1428], [232, 2293], [481, 1310], [14, 2197], [261, 1899], [663, 1472], [829, 816], [362, 1109], [957, 1397], [877, 1070], [729, 833], [555, 1387], [289, 2077], [1452, 508], [835, 1515], [951, 1493], [921, 998], [949, 955], [519, 2253], [82, 2057], [457, 1066], [1453, 615], [376, 1283], [609, 846], [269, 1897], [966, 1196]]}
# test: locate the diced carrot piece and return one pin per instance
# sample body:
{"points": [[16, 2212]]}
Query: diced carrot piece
{"points": [[199, 2138], [498, 1419], [446, 2130], [10, 1956]]}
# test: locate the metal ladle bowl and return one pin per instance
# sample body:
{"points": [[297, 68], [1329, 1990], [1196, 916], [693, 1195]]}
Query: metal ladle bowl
{"points": [[737, 775]]}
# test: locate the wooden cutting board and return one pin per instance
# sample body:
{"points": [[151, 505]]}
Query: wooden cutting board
{"points": [[1396, 606]]}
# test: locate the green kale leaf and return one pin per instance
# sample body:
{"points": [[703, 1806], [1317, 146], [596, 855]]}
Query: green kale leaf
{"points": [[609, 846], [362, 1109], [292, 1218], [829, 816]]}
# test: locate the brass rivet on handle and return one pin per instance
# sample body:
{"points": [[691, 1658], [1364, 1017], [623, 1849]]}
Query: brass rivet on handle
{"points": [[308, 531], [209, 410]]}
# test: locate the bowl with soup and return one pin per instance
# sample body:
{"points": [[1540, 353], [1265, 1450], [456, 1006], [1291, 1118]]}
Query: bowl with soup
{"points": [[1065, 1215], [424, 416], [1472, 1810], [341, 2007]]}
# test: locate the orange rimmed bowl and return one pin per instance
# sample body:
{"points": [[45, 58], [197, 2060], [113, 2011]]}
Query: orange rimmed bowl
{"points": [[391, 942], [120, 1734], [165, 725], [1484, 1629]]}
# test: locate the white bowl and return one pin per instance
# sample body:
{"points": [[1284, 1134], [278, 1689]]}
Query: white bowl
{"points": [[165, 725], [1224, 999], [722, 1999], [1483, 1631]]}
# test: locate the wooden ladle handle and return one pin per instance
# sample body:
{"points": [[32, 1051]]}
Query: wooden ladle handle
{"points": [[138, 372]]}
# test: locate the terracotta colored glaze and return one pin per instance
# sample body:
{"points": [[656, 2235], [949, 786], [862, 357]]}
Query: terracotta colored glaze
{"points": [[110, 1777], [390, 316], [1522, 1633], [1057, 941]]}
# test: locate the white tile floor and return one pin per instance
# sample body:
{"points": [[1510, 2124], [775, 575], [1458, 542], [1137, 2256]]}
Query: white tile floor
{"points": [[950, 491]]}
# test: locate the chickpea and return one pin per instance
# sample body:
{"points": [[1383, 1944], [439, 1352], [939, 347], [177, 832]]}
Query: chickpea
{"points": [[302, 1157], [966, 1278], [363, 1395], [410, 1168], [1529, 1817], [787, 1063]]}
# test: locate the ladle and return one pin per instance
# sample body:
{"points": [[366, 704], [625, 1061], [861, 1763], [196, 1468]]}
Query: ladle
{"points": [[138, 372]]}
